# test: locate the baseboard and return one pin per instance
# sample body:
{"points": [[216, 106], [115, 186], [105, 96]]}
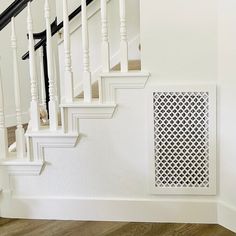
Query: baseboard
{"points": [[94, 209], [227, 216]]}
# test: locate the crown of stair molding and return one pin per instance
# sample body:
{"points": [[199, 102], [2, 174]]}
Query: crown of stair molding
{"points": [[91, 110], [22, 167], [117, 80], [37, 142], [75, 111], [59, 134], [45, 138]]}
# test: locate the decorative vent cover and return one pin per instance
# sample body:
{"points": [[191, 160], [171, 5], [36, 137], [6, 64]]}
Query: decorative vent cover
{"points": [[183, 146]]}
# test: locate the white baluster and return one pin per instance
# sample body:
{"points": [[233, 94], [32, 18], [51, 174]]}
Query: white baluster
{"points": [[56, 80], [85, 40], [34, 106], [52, 90], [20, 133], [42, 79], [105, 41], [67, 48], [3, 131], [123, 35]]}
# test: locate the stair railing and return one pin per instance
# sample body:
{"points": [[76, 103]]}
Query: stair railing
{"points": [[6, 17], [47, 76], [12, 11], [34, 105], [42, 46], [20, 133], [105, 47]]}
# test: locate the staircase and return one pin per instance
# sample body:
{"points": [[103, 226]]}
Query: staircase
{"points": [[120, 144], [97, 100]]}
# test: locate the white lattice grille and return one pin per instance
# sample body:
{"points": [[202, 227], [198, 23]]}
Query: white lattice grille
{"points": [[181, 139]]}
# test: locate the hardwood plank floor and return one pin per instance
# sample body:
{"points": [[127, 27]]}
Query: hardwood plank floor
{"points": [[15, 227]]}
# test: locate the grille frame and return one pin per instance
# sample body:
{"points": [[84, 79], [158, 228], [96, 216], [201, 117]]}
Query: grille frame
{"points": [[210, 89]]}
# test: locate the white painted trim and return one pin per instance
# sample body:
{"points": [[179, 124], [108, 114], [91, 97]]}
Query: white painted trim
{"points": [[116, 80], [227, 215], [73, 112], [10, 119], [110, 209], [45, 132], [185, 87], [22, 167], [99, 112], [45, 138]]}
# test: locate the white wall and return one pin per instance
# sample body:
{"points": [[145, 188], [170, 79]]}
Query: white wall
{"points": [[194, 41], [4, 5], [6, 58], [105, 177], [179, 39], [227, 104]]}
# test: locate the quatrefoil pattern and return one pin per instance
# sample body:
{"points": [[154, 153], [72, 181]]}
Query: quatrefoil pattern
{"points": [[181, 139]]}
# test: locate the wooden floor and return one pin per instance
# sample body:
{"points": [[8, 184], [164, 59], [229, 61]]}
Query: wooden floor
{"points": [[11, 227]]}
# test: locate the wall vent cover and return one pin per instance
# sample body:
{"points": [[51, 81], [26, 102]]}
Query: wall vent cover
{"points": [[183, 124]]}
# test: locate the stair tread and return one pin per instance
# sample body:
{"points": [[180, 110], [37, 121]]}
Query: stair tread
{"points": [[133, 65]]}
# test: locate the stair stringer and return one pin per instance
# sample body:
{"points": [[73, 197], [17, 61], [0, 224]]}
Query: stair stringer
{"points": [[67, 136], [105, 107], [41, 140], [75, 111], [37, 142], [110, 82]]}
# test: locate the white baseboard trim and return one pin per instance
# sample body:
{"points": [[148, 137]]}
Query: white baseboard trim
{"points": [[227, 216], [147, 210]]}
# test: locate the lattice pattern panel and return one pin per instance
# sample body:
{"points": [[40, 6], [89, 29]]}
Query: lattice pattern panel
{"points": [[181, 140]]}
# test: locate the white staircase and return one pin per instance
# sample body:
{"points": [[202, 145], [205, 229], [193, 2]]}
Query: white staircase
{"points": [[116, 147], [71, 109]]}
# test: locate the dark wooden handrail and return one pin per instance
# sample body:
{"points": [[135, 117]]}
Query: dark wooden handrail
{"points": [[12, 11], [54, 28]]}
